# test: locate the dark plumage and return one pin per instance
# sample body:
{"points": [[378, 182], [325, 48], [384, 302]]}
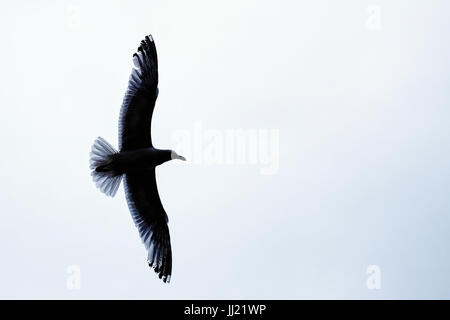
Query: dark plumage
{"points": [[137, 159]]}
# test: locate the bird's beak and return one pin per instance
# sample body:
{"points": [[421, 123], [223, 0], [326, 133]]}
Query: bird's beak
{"points": [[175, 155]]}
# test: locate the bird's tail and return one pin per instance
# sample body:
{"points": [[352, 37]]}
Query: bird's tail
{"points": [[107, 180]]}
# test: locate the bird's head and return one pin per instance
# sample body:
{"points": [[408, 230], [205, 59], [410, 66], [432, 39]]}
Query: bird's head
{"points": [[174, 155]]}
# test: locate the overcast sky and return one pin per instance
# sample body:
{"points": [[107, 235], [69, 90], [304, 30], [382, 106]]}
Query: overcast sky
{"points": [[349, 102]]}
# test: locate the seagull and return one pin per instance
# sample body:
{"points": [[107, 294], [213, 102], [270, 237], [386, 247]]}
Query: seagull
{"points": [[137, 159]]}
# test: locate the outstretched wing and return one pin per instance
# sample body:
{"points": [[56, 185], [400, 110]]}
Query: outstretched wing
{"points": [[140, 97], [150, 219]]}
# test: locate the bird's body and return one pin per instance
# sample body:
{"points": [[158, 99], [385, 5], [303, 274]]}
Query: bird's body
{"points": [[137, 159]]}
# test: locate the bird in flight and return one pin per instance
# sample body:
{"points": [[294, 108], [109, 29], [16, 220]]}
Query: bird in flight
{"points": [[137, 159]]}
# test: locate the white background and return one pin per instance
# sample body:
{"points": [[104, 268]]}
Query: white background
{"points": [[363, 115]]}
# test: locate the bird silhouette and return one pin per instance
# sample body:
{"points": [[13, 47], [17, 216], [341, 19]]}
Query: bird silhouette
{"points": [[136, 161]]}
